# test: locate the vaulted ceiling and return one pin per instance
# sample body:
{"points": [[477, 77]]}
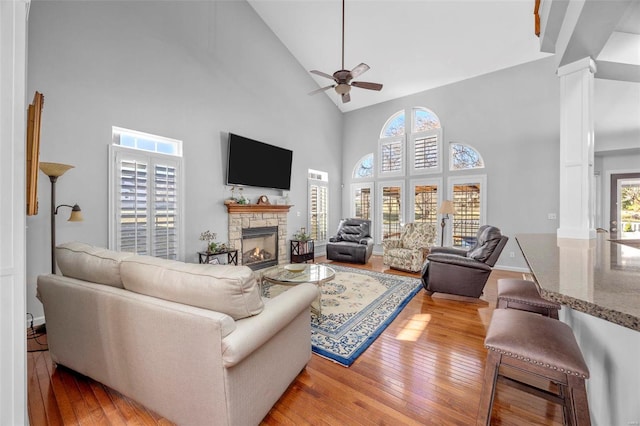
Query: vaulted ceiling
{"points": [[410, 45]]}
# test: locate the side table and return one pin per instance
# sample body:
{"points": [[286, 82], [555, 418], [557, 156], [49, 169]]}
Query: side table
{"points": [[207, 257], [302, 251]]}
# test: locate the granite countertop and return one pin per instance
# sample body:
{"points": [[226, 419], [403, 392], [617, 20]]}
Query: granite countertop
{"points": [[598, 277]]}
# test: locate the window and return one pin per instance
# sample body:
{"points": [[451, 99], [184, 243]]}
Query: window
{"points": [[390, 195], [426, 137], [469, 199], [362, 201], [426, 200], [364, 167], [464, 157], [145, 187], [410, 152], [318, 205], [391, 146]]}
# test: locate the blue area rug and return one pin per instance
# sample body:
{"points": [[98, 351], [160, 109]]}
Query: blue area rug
{"points": [[357, 306]]}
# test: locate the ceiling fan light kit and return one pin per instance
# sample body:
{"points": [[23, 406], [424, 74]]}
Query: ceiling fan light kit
{"points": [[343, 78]]}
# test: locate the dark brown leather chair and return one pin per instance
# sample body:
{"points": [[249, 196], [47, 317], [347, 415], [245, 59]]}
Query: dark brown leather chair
{"points": [[463, 272], [352, 242]]}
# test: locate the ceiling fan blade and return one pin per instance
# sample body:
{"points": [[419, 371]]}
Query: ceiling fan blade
{"points": [[322, 74], [346, 98], [360, 69], [322, 89], [367, 85]]}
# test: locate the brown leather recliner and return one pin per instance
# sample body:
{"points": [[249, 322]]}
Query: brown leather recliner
{"points": [[463, 272]]}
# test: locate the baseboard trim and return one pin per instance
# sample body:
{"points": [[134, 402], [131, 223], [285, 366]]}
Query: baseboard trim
{"points": [[36, 321], [512, 268]]}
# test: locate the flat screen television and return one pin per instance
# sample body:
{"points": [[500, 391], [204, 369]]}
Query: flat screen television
{"points": [[254, 163]]}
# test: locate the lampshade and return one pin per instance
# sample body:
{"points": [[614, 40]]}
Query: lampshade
{"points": [[54, 169], [76, 214], [447, 208]]}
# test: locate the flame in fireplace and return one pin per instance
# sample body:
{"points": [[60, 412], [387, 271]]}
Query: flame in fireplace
{"points": [[256, 253]]}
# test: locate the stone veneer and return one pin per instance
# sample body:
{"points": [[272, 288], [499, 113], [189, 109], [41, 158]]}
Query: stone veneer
{"points": [[256, 216]]}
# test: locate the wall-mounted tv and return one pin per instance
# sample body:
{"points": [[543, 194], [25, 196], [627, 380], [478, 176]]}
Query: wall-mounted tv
{"points": [[254, 163]]}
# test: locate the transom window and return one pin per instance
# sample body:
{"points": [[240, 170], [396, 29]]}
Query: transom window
{"points": [[364, 167], [394, 126], [464, 157]]}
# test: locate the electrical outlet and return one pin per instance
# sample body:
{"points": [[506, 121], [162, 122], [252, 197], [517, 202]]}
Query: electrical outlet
{"points": [[298, 214], [552, 216], [512, 254]]}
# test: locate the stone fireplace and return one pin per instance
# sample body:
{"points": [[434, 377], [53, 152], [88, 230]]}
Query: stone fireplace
{"points": [[251, 220]]}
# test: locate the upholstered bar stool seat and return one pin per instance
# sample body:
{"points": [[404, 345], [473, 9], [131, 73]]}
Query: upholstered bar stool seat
{"points": [[539, 346], [523, 295]]}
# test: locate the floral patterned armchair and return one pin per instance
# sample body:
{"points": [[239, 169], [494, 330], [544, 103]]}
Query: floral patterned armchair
{"points": [[409, 252]]}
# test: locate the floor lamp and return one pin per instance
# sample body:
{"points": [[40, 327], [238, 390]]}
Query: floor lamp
{"points": [[446, 208], [54, 171]]}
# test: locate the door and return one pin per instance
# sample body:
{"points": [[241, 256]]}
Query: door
{"points": [[624, 217]]}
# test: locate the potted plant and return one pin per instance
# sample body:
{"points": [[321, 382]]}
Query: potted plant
{"points": [[210, 237], [301, 235]]}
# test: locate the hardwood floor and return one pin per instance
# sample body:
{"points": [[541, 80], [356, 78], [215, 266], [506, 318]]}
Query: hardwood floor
{"points": [[425, 369]]}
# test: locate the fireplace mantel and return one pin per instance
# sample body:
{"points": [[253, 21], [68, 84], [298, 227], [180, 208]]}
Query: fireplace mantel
{"points": [[256, 208]]}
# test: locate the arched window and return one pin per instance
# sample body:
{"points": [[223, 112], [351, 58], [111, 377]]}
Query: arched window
{"points": [[424, 119], [394, 126], [391, 146], [464, 157], [364, 167]]}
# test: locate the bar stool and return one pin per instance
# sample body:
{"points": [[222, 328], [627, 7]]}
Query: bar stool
{"points": [[538, 346], [523, 295]]}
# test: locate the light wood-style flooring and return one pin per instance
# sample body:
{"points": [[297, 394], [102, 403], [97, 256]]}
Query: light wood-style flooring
{"points": [[425, 369]]}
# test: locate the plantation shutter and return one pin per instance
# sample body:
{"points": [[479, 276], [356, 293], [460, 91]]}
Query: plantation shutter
{"points": [[426, 153], [391, 158], [318, 209], [146, 200]]}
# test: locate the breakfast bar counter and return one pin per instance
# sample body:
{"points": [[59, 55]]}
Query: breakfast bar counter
{"points": [[598, 277]]}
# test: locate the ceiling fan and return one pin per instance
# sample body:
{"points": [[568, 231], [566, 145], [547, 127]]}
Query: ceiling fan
{"points": [[343, 79]]}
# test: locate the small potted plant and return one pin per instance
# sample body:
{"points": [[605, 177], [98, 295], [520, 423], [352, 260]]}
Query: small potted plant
{"points": [[210, 237], [301, 235]]}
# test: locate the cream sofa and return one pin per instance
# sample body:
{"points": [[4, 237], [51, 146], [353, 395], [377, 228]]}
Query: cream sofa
{"points": [[194, 343]]}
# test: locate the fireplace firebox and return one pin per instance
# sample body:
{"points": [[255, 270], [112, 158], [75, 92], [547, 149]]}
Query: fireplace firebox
{"points": [[260, 247]]}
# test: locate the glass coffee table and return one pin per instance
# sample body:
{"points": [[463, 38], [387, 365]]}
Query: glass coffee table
{"points": [[298, 273]]}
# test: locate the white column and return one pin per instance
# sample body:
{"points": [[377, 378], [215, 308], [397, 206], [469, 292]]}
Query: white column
{"points": [[577, 184], [13, 353]]}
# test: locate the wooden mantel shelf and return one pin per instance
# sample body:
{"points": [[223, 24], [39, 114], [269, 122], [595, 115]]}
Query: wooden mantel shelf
{"points": [[257, 208]]}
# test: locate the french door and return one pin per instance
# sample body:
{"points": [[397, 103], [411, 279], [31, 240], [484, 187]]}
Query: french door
{"points": [[624, 217]]}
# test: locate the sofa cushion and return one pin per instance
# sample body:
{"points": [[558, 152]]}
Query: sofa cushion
{"points": [[232, 290], [95, 264]]}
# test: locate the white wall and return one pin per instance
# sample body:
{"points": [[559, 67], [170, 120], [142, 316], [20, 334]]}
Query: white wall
{"points": [[187, 70], [616, 115], [13, 354], [512, 118]]}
